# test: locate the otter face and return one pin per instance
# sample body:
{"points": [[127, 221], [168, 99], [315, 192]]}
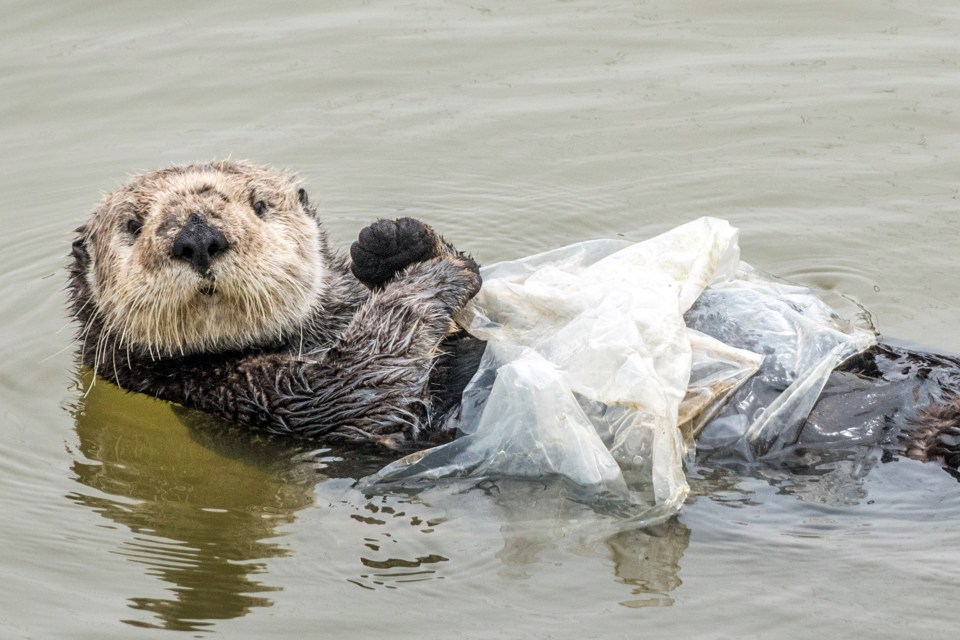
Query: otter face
{"points": [[202, 258]]}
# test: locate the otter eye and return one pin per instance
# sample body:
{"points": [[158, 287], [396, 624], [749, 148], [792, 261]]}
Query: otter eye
{"points": [[134, 227], [260, 208]]}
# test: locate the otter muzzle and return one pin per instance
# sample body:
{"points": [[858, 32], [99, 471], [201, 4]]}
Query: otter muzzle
{"points": [[198, 243]]}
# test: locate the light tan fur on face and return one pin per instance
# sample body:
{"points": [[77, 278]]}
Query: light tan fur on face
{"points": [[264, 285]]}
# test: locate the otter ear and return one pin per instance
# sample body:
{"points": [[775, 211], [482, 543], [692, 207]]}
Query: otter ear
{"points": [[308, 208], [78, 250]]}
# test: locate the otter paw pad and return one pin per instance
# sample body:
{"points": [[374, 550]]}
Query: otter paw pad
{"points": [[387, 246]]}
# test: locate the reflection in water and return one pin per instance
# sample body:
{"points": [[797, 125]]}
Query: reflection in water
{"points": [[540, 518], [646, 560], [204, 515], [836, 479], [649, 561], [411, 536], [207, 507], [399, 547], [833, 478]]}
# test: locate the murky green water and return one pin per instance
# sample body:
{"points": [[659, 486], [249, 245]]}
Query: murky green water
{"points": [[828, 132]]}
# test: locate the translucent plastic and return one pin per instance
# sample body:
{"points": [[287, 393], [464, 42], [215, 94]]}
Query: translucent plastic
{"points": [[802, 339], [591, 372]]}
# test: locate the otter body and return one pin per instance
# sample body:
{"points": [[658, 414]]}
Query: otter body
{"points": [[214, 286]]}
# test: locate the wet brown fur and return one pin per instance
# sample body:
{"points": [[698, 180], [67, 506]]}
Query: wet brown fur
{"points": [[935, 435]]}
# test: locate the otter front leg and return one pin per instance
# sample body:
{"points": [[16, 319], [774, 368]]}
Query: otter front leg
{"points": [[385, 247], [373, 384]]}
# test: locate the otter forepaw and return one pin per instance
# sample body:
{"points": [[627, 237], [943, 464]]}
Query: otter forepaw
{"points": [[454, 280], [471, 271], [387, 246]]}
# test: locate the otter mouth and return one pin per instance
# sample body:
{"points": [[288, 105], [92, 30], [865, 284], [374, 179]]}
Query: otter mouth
{"points": [[208, 285]]}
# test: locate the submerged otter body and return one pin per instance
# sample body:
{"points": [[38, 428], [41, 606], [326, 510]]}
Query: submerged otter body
{"points": [[214, 286], [901, 399]]}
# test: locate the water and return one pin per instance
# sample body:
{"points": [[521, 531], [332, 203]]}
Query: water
{"points": [[828, 132]]}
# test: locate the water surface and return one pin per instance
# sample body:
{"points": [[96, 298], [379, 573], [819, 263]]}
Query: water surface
{"points": [[827, 132]]}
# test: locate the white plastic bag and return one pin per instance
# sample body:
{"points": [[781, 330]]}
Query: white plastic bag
{"points": [[588, 369]]}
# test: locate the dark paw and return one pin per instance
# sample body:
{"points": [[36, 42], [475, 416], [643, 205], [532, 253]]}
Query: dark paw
{"points": [[387, 246]]}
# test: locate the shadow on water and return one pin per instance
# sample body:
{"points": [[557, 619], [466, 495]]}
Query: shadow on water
{"points": [[206, 504]]}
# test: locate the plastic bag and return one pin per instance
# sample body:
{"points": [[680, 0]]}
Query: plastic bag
{"points": [[592, 374], [802, 340]]}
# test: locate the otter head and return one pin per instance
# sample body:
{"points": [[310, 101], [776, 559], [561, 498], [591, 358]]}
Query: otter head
{"points": [[199, 258]]}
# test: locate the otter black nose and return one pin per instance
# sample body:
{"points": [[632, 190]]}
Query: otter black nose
{"points": [[198, 243]]}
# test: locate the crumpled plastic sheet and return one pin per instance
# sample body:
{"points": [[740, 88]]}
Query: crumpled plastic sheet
{"points": [[802, 340], [606, 358]]}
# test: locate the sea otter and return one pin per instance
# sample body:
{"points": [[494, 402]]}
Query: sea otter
{"points": [[214, 286]]}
